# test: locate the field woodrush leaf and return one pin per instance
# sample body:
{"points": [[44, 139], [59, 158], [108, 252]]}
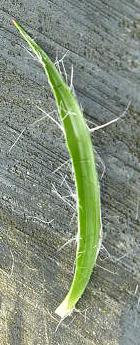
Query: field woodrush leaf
{"points": [[79, 145]]}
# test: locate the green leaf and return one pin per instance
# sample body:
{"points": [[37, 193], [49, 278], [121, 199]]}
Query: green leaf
{"points": [[79, 145]]}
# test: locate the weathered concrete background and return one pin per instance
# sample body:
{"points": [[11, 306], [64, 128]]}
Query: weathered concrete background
{"points": [[103, 39]]}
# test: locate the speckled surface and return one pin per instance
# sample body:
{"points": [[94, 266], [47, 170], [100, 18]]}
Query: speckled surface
{"points": [[103, 39]]}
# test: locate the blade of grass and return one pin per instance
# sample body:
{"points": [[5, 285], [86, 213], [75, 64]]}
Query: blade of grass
{"points": [[79, 145]]}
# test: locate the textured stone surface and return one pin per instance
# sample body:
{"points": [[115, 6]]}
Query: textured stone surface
{"points": [[103, 39]]}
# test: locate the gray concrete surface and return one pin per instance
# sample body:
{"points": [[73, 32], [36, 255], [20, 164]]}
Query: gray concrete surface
{"points": [[103, 39]]}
